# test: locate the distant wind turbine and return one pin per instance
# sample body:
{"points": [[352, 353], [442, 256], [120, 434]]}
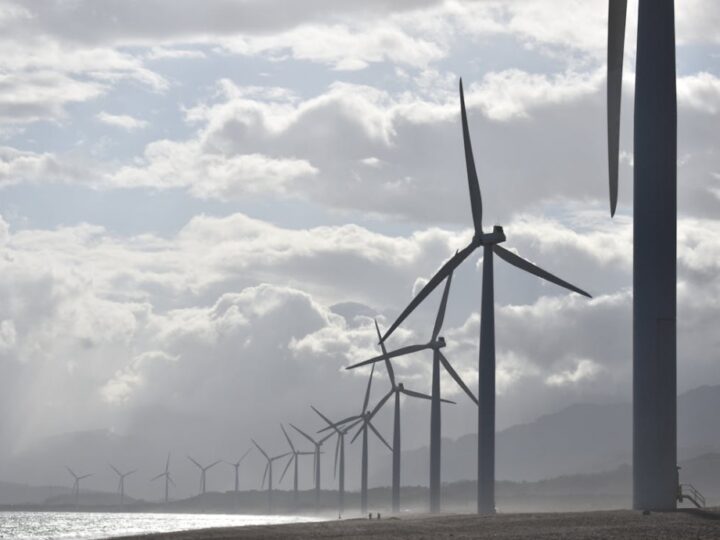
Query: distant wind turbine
{"points": [[486, 371], [294, 459], [76, 484], [397, 389], [236, 466], [316, 464], [203, 473], [168, 478], [121, 482], [268, 471], [339, 455], [436, 343], [364, 418]]}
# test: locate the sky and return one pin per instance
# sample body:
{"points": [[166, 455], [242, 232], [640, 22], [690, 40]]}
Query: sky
{"points": [[203, 206]]}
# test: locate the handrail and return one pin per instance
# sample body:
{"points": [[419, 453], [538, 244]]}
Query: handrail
{"points": [[694, 495]]}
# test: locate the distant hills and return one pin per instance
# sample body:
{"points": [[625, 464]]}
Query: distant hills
{"points": [[579, 439], [581, 449]]}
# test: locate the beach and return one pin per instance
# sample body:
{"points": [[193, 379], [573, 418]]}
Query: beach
{"points": [[620, 524]]}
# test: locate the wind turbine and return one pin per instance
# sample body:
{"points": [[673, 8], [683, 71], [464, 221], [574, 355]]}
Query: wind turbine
{"points": [[294, 459], [236, 466], [339, 453], [436, 343], [76, 484], [121, 482], [397, 389], [655, 240], [364, 418], [316, 462], [486, 370], [268, 471], [168, 478], [203, 472]]}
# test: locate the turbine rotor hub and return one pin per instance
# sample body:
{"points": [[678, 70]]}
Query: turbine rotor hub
{"points": [[495, 237]]}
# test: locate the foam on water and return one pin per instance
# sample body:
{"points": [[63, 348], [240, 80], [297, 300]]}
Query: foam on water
{"points": [[64, 525]]}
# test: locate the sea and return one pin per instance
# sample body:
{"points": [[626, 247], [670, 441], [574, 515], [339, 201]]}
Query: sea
{"points": [[52, 525]]}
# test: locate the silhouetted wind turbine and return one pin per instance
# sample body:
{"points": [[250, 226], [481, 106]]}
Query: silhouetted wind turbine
{"points": [[121, 482], [486, 371], [294, 459], [339, 455], [435, 344], [364, 418], [316, 465], [168, 478], [236, 466], [203, 473], [76, 484], [268, 471], [655, 240], [397, 389]]}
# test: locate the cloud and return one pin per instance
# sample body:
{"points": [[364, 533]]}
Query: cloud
{"points": [[584, 370], [210, 175], [123, 121]]}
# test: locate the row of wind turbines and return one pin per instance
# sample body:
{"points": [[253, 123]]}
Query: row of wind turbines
{"points": [[654, 298], [361, 421]]}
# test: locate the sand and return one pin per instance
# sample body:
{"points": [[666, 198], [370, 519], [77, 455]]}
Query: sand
{"points": [[571, 525]]}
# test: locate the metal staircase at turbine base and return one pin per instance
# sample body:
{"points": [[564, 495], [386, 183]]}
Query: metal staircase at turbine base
{"points": [[690, 493]]}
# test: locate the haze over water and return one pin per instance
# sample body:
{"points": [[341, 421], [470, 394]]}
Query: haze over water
{"points": [[55, 525]]}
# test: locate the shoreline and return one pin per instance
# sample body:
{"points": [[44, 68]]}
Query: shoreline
{"points": [[615, 524]]}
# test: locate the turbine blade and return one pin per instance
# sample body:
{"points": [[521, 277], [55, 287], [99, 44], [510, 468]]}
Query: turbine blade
{"points": [[337, 451], [376, 432], [167, 463], [352, 425], [336, 425], [85, 476], [116, 471], [522, 264], [380, 404], [161, 475], [262, 484], [213, 464], [244, 455], [402, 351], [195, 462], [388, 363], [617, 13], [456, 377], [415, 394], [325, 438], [261, 450], [359, 431], [429, 287], [443, 306], [285, 470], [172, 481], [301, 432], [473, 182], [325, 418], [287, 437], [367, 391], [71, 472]]}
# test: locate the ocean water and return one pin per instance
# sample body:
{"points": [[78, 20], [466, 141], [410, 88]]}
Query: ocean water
{"points": [[51, 525]]}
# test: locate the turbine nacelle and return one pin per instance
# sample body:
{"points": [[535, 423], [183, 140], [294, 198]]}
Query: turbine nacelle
{"points": [[495, 237], [439, 343]]}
